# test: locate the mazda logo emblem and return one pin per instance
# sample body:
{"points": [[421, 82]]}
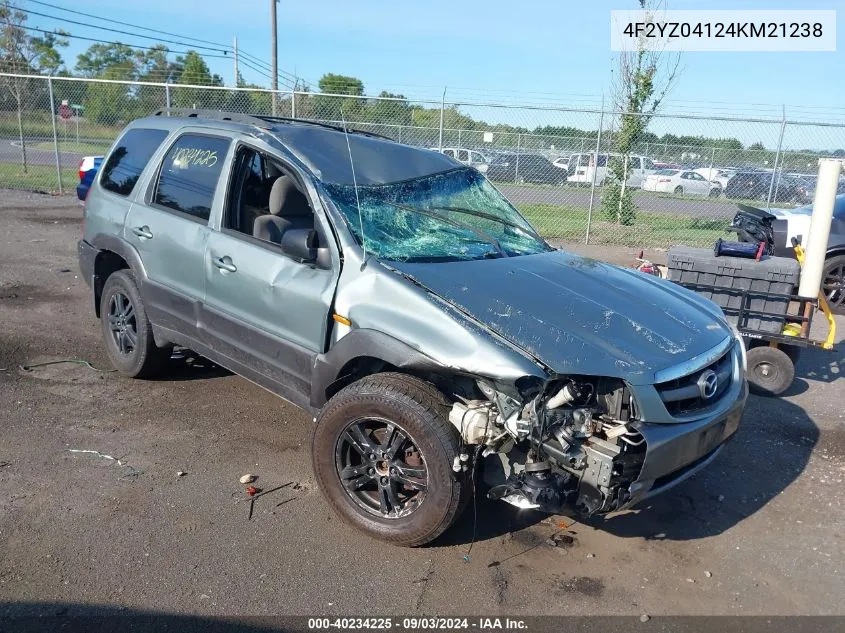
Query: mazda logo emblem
{"points": [[708, 383]]}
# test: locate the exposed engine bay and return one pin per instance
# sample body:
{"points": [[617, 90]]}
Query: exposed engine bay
{"points": [[573, 443]]}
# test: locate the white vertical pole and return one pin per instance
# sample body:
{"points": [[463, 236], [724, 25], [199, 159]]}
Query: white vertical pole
{"points": [[815, 243]]}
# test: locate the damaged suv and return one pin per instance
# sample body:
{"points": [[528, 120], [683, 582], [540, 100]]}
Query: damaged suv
{"points": [[400, 299]]}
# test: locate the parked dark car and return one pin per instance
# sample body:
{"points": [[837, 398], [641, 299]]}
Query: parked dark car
{"points": [[534, 168], [755, 185]]}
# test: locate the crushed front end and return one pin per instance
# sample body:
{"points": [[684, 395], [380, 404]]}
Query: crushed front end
{"points": [[598, 444]]}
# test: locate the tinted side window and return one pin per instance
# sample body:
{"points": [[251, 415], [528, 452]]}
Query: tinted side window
{"points": [[130, 156], [189, 174]]}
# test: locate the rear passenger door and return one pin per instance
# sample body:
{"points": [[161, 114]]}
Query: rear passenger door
{"points": [[169, 228]]}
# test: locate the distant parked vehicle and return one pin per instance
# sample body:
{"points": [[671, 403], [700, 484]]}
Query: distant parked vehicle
{"points": [[561, 162], [755, 185], [88, 167], [527, 168], [717, 175], [681, 182], [582, 167], [468, 157]]}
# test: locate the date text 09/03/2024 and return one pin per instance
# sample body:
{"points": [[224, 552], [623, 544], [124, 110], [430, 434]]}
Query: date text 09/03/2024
{"points": [[417, 624]]}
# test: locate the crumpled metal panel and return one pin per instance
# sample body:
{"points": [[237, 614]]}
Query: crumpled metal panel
{"points": [[578, 315]]}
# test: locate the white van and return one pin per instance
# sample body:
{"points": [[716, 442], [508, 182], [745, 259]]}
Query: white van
{"points": [[467, 157], [582, 166]]}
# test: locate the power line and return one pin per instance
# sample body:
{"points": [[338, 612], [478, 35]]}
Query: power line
{"points": [[92, 39], [134, 26], [286, 78], [105, 28]]}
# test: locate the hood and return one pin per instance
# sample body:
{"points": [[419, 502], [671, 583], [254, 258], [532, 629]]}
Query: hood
{"points": [[577, 315]]}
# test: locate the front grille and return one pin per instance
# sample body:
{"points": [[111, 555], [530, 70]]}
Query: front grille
{"points": [[682, 396]]}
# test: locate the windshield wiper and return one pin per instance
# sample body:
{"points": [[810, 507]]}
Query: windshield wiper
{"points": [[494, 218], [484, 235]]}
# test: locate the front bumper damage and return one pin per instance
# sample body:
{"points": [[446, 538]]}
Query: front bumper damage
{"points": [[598, 458]]}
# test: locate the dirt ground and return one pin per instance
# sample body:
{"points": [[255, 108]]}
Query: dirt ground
{"points": [[761, 531]]}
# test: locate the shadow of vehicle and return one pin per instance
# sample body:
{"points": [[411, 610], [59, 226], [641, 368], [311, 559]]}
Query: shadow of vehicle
{"points": [[37, 617], [770, 450], [187, 365]]}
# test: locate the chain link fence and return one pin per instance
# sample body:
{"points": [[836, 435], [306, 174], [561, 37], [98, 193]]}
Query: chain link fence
{"points": [[560, 166]]}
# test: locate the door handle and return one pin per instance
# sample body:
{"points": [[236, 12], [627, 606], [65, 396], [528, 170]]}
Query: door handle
{"points": [[143, 232], [225, 263]]}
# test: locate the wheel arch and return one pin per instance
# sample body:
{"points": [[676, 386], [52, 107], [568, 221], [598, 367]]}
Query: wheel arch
{"points": [[365, 352], [113, 254]]}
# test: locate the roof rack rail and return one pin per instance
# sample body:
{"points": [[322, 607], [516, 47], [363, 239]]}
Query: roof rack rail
{"points": [[258, 120], [215, 115]]}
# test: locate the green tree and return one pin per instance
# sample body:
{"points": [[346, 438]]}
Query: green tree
{"points": [[337, 108], [642, 80], [22, 54], [112, 57], [756, 147], [195, 72]]}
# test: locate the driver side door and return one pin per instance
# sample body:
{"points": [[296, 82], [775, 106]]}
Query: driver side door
{"points": [[264, 310]]}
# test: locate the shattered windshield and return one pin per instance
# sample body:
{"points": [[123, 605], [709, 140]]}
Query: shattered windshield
{"points": [[451, 215]]}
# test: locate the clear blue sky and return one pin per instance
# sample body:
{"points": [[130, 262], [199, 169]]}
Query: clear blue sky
{"points": [[539, 49]]}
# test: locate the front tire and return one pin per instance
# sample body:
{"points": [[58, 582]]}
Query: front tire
{"points": [[679, 191], [382, 453], [127, 331]]}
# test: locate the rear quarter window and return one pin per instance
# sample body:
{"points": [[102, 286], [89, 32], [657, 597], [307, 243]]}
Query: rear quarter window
{"points": [[129, 158], [189, 174]]}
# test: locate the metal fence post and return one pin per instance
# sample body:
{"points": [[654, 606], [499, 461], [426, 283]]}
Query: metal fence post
{"points": [[293, 104], [516, 166], [777, 156], [167, 96], [442, 110], [712, 158], [55, 134], [595, 171]]}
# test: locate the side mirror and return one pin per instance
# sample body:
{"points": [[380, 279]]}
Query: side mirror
{"points": [[300, 244]]}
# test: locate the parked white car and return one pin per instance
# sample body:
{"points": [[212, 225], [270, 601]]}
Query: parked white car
{"points": [[467, 157], [681, 182], [717, 175], [582, 166]]}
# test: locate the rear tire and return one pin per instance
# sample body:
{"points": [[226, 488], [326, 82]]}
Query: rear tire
{"points": [[770, 370], [127, 331], [362, 472], [833, 283], [679, 191]]}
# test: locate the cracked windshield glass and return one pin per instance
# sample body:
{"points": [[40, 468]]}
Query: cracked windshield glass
{"points": [[454, 215]]}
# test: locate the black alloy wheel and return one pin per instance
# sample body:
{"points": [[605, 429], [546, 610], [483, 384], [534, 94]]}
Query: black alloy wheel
{"points": [[122, 323], [381, 468]]}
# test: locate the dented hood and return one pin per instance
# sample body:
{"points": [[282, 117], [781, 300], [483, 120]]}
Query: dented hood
{"points": [[578, 315]]}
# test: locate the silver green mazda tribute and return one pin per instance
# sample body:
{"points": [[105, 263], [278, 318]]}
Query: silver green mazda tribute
{"points": [[398, 297]]}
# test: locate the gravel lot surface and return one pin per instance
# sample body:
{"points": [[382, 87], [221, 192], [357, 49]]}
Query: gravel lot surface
{"points": [[761, 531]]}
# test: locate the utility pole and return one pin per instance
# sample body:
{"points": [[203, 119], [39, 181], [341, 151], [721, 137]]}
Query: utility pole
{"points": [[235, 42], [274, 80]]}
